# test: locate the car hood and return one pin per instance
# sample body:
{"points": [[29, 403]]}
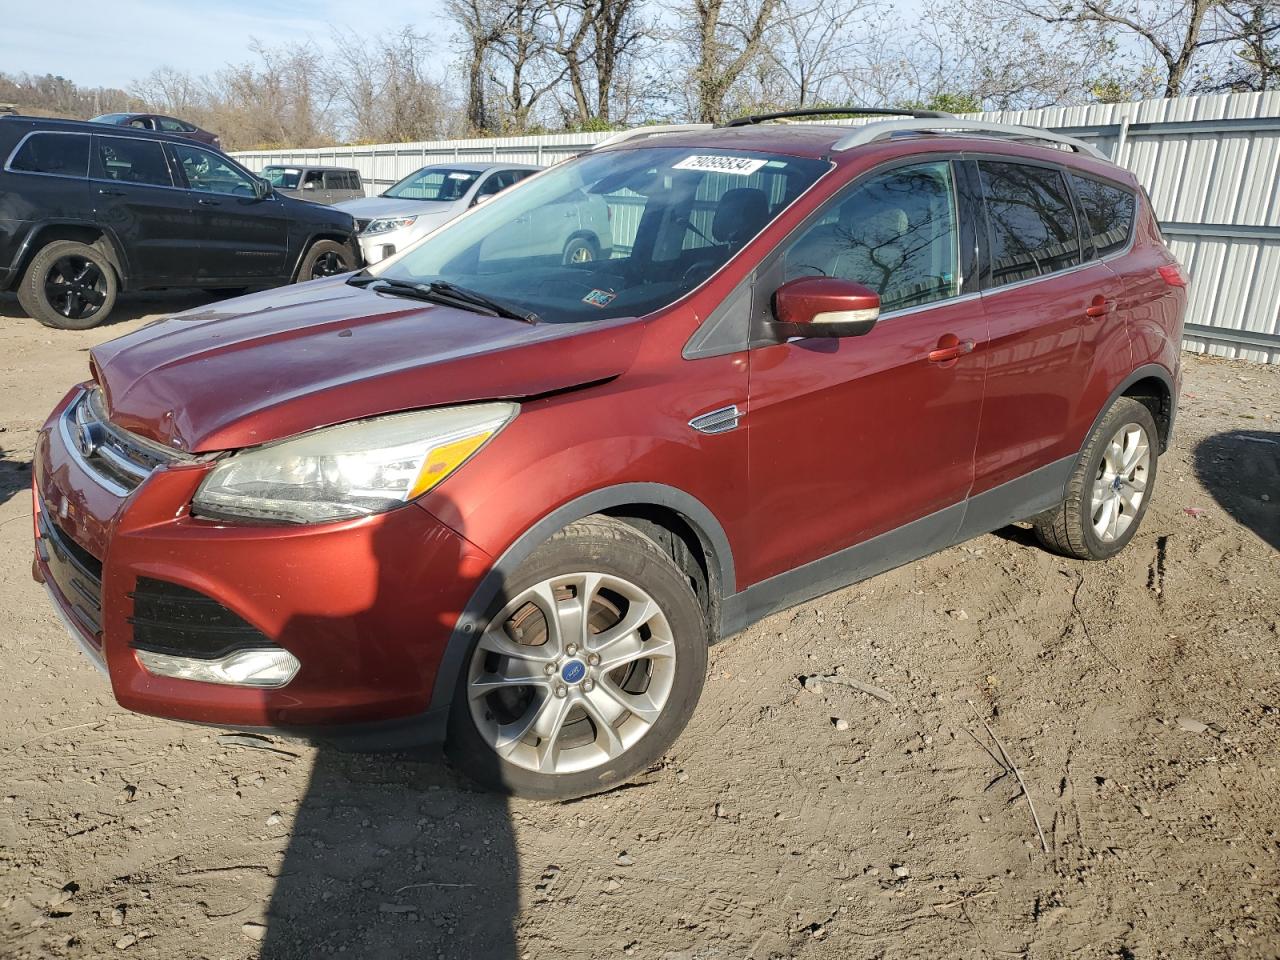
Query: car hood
{"points": [[370, 207], [278, 363]]}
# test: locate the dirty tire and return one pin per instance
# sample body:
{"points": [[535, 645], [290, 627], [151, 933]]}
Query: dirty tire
{"points": [[1069, 528], [615, 549], [72, 255], [326, 258]]}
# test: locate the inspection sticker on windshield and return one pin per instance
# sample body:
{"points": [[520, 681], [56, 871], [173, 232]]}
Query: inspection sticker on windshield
{"points": [[742, 166], [600, 298]]}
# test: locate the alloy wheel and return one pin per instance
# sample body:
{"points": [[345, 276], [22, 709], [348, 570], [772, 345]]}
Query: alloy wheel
{"points": [[75, 287], [1121, 483], [328, 265], [572, 673]]}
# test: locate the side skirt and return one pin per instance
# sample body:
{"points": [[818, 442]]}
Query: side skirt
{"points": [[1016, 500]]}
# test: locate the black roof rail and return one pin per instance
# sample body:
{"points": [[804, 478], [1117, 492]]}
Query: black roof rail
{"points": [[755, 118]]}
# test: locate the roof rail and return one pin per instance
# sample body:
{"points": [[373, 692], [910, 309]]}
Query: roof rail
{"points": [[654, 130], [874, 131], [755, 118]]}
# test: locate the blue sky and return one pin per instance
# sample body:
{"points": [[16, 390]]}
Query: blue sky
{"points": [[112, 44]]}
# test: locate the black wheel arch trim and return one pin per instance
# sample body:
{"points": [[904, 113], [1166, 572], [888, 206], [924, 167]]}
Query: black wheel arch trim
{"points": [[1145, 372], [336, 235], [697, 514], [108, 243]]}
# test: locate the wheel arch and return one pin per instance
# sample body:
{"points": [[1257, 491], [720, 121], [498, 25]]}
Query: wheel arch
{"points": [[664, 513], [337, 236], [42, 234], [1153, 386]]}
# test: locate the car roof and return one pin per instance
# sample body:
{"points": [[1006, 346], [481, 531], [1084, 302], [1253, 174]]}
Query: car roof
{"points": [[478, 167], [309, 166], [818, 141], [88, 126]]}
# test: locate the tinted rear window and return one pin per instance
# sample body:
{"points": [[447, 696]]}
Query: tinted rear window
{"points": [[1033, 231], [1109, 210], [127, 160], [62, 154]]}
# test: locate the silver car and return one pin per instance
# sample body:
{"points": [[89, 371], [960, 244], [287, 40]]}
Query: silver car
{"points": [[434, 195]]}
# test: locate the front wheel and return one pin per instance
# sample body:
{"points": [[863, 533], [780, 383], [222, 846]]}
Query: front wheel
{"points": [[587, 669], [326, 258], [580, 250], [1108, 493], [68, 285]]}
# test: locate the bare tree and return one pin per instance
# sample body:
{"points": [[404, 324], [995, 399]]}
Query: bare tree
{"points": [[1249, 34], [597, 39], [1173, 30], [723, 38], [387, 89], [817, 44]]}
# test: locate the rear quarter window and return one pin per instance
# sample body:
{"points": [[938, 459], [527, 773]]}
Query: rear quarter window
{"points": [[1108, 209], [1033, 229], [58, 154]]}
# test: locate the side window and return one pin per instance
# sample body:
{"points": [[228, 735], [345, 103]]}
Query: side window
{"points": [[1108, 209], [140, 123], [60, 154], [127, 160], [335, 180], [494, 183], [351, 180], [895, 232], [1033, 231], [209, 173], [313, 180], [174, 126]]}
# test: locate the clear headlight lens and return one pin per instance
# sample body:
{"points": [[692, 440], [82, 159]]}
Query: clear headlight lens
{"points": [[350, 470], [386, 225]]}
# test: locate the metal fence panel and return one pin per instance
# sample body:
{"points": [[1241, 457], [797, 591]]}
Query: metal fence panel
{"points": [[1210, 164]]}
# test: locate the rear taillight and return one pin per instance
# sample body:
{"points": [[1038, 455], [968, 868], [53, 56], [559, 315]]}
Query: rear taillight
{"points": [[1172, 275]]}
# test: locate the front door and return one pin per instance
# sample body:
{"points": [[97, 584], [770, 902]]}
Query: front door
{"points": [[853, 438], [134, 195], [244, 238]]}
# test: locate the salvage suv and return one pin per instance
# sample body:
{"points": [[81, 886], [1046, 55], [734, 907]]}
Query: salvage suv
{"points": [[509, 502], [88, 210]]}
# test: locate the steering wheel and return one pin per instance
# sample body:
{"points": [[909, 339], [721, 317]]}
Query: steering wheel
{"points": [[697, 271]]}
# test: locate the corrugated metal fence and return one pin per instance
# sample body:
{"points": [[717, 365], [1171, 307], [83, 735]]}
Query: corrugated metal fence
{"points": [[1211, 165]]}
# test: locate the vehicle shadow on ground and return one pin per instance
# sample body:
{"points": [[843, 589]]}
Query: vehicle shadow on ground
{"points": [[1241, 470], [128, 307], [392, 855], [15, 477]]}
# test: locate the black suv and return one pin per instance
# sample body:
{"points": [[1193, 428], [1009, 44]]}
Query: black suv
{"points": [[87, 212]]}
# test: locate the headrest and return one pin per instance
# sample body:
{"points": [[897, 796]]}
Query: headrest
{"points": [[740, 215]]}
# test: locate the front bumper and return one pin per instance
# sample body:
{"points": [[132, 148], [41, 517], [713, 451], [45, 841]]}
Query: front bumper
{"points": [[367, 606], [380, 246]]}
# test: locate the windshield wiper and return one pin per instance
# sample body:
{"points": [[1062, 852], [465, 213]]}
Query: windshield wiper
{"points": [[438, 291]]}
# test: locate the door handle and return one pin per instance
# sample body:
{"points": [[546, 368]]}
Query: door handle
{"points": [[952, 351], [110, 193], [1100, 307], [207, 203]]}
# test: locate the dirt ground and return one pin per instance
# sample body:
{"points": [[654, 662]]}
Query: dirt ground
{"points": [[1137, 698]]}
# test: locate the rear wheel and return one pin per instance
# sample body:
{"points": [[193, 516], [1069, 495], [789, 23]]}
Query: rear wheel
{"points": [[1108, 493], [69, 285], [581, 250], [588, 668], [326, 258]]}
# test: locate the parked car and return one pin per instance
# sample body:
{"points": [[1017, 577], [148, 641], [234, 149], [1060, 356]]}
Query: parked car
{"points": [[509, 502], [160, 124], [317, 184], [85, 214], [434, 195]]}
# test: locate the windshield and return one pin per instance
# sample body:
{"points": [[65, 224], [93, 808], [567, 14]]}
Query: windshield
{"points": [[286, 178], [613, 234], [433, 183]]}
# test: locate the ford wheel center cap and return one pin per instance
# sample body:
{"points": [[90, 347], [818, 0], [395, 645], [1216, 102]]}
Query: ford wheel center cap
{"points": [[573, 671]]}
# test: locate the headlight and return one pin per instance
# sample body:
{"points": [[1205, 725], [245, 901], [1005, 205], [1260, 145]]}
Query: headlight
{"points": [[350, 470], [386, 225]]}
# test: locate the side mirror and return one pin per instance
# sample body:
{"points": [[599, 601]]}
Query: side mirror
{"points": [[483, 198], [261, 188], [825, 307], [309, 185]]}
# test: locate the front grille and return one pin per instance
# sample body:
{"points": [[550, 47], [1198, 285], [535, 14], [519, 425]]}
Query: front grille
{"points": [[75, 572], [168, 618], [120, 460]]}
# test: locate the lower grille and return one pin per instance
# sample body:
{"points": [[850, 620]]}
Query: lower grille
{"points": [[171, 619], [75, 572]]}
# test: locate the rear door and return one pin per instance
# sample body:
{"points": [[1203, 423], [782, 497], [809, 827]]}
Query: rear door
{"points": [[134, 196], [853, 438], [1055, 329], [242, 237]]}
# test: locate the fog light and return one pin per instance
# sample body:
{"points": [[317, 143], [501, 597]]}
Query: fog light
{"points": [[244, 668]]}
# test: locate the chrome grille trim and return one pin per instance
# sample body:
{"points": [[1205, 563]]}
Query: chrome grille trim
{"points": [[115, 459]]}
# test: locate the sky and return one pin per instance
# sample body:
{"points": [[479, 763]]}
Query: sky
{"points": [[113, 44]]}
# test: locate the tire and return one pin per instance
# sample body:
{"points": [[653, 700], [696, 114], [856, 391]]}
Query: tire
{"points": [[600, 725], [69, 285], [580, 250], [325, 258], [1081, 527]]}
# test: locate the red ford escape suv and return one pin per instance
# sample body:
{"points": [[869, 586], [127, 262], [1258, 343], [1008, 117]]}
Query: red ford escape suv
{"points": [[506, 500]]}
